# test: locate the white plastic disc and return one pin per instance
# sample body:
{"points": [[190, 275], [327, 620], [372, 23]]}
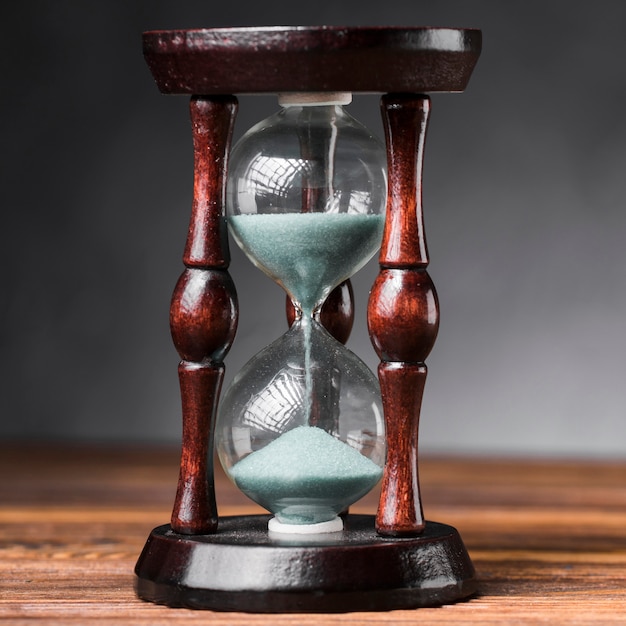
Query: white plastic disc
{"points": [[331, 526]]}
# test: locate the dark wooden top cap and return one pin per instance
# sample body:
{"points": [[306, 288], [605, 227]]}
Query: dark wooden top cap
{"points": [[312, 59]]}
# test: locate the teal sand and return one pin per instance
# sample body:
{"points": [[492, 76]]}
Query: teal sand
{"points": [[306, 476], [308, 253]]}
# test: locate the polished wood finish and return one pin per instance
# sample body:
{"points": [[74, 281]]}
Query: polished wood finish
{"points": [[547, 538], [203, 314], [318, 58], [402, 315], [245, 568]]}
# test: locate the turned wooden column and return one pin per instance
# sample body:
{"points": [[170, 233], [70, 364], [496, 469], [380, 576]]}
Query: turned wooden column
{"points": [[403, 315], [203, 314]]}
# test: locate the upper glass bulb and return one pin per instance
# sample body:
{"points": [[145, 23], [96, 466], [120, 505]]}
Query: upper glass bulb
{"points": [[309, 160]]}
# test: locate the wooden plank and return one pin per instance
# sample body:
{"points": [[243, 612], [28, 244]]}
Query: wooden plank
{"points": [[548, 539]]}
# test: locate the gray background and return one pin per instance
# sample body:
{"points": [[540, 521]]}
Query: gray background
{"points": [[525, 183]]}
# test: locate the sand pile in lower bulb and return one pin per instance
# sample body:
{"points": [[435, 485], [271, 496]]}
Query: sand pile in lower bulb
{"points": [[309, 464]]}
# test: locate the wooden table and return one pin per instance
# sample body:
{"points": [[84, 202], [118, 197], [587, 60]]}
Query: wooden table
{"points": [[548, 539]]}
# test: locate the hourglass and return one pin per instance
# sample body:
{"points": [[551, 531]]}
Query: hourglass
{"points": [[305, 428]]}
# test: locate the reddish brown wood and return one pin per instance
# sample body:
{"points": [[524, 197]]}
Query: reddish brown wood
{"points": [[400, 508], [195, 510], [203, 314], [212, 122], [318, 58], [337, 314], [405, 122], [403, 313]]}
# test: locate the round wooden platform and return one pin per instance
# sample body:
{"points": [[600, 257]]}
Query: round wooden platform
{"points": [[244, 568], [312, 59]]}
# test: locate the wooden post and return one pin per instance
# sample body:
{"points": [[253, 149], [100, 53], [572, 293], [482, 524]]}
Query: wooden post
{"points": [[403, 313], [203, 314]]}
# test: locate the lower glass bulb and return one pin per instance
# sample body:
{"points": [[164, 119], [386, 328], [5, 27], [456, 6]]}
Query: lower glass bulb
{"points": [[300, 429]]}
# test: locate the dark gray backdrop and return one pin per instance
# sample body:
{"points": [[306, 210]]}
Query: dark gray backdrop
{"points": [[524, 201]]}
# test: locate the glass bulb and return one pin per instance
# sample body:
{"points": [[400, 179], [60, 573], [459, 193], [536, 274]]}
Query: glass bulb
{"points": [[300, 429], [312, 179]]}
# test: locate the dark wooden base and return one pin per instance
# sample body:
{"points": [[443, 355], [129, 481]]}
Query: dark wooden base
{"points": [[243, 568]]}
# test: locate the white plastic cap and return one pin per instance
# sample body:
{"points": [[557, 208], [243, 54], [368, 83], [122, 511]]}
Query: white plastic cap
{"points": [[314, 99]]}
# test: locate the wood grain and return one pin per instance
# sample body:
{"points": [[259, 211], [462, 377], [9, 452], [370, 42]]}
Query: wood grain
{"points": [[548, 538], [203, 313], [402, 313]]}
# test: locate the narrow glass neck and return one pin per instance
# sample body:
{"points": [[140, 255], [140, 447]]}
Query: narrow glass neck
{"points": [[305, 314]]}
